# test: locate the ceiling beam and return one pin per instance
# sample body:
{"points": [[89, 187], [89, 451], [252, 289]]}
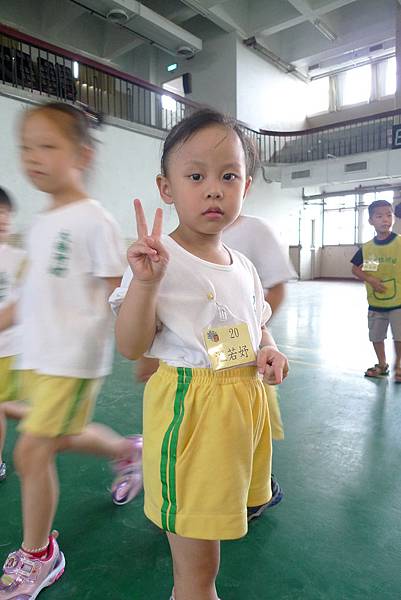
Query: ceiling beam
{"points": [[217, 14], [306, 15]]}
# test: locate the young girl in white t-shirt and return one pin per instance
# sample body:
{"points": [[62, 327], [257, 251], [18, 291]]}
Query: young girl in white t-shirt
{"points": [[11, 267], [75, 256], [199, 308]]}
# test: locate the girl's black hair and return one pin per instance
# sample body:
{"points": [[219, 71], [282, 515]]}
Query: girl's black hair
{"points": [[200, 119], [80, 119], [6, 200]]}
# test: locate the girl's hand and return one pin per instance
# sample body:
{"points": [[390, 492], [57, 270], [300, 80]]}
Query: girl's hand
{"points": [[272, 364], [147, 256]]}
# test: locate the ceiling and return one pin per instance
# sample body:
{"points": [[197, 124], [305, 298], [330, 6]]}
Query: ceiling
{"points": [[302, 33]]}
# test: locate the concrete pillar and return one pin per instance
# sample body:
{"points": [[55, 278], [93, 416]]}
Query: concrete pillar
{"points": [[398, 54], [397, 211]]}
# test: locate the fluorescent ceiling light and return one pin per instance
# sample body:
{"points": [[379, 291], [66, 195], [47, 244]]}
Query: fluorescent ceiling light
{"points": [[325, 30]]}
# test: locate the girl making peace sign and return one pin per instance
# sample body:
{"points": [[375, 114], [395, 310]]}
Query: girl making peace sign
{"points": [[199, 308]]}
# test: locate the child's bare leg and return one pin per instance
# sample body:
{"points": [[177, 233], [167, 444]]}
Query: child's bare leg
{"points": [[10, 410], [397, 346], [195, 564], [380, 353], [99, 440], [35, 462]]}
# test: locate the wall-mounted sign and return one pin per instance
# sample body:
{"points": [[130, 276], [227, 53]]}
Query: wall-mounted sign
{"points": [[396, 136]]}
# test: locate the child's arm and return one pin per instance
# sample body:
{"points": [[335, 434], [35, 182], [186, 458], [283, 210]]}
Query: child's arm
{"points": [[148, 259], [376, 284], [8, 316], [271, 363]]}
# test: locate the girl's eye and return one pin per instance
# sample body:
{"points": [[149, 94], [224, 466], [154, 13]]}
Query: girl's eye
{"points": [[48, 146], [196, 177], [229, 176]]}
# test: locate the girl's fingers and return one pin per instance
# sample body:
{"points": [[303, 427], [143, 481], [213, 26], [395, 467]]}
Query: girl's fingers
{"points": [[158, 224], [141, 225], [141, 248]]}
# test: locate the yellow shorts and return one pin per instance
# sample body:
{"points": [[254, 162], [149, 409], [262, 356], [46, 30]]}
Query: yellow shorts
{"points": [[58, 405], [276, 422], [207, 450], [8, 379]]}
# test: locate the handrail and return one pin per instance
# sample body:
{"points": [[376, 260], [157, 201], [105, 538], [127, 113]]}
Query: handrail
{"points": [[346, 123], [33, 41], [132, 99]]}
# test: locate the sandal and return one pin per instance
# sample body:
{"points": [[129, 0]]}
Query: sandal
{"points": [[397, 375], [378, 371]]}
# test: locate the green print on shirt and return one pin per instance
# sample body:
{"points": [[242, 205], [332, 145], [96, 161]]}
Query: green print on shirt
{"points": [[4, 284], [61, 254], [387, 259]]}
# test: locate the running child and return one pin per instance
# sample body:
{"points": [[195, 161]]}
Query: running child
{"points": [[11, 267], [199, 308], [75, 261]]}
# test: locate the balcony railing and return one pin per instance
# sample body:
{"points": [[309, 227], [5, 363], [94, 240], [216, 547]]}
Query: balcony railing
{"points": [[367, 134], [46, 70]]}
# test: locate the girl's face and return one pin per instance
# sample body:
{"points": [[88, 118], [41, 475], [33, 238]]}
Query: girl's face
{"points": [[206, 180], [50, 159]]}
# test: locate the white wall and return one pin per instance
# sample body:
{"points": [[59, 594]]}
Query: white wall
{"points": [[335, 261], [126, 165], [266, 97], [281, 208], [352, 112], [213, 73]]}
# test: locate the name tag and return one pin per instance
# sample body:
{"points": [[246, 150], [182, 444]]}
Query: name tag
{"points": [[229, 346], [370, 264]]}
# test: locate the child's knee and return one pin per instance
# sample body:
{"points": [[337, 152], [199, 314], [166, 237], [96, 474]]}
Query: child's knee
{"points": [[32, 453]]}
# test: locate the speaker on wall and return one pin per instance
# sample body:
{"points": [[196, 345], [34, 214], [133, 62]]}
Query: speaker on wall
{"points": [[187, 83]]}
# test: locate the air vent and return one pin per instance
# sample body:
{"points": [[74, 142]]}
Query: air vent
{"points": [[358, 166], [314, 67], [300, 174], [375, 47]]}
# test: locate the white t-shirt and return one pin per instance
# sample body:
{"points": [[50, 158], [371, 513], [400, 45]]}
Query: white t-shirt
{"points": [[186, 303], [11, 265], [254, 238], [66, 320]]}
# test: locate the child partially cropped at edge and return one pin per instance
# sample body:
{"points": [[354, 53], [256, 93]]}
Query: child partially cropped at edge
{"points": [[12, 261]]}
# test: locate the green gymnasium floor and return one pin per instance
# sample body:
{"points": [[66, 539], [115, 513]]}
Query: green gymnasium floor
{"points": [[336, 535]]}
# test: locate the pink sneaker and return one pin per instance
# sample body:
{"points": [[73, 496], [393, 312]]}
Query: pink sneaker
{"points": [[25, 577], [128, 481]]}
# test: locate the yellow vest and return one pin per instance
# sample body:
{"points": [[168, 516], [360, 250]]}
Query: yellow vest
{"points": [[387, 258]]}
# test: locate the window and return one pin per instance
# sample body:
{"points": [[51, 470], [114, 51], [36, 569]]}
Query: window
{"points": [[339, 220], [318, 96], [390, 78], [355, 85]]}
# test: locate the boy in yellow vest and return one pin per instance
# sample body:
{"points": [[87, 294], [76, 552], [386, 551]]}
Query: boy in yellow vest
{"points": [[378, 264]]}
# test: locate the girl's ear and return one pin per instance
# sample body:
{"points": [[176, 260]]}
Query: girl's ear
{"points": [[164, 189], [85, 157], [247, 186]]}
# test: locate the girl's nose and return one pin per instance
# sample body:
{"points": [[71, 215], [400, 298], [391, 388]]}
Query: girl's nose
{"points": [[216, 194]]}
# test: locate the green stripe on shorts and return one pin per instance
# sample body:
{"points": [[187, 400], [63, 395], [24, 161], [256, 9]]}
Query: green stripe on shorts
{"points": [[169, 452], [81, 389]]}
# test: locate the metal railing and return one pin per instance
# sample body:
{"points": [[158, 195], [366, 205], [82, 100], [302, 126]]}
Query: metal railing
{"points": [[46, 70], [366, 134]]}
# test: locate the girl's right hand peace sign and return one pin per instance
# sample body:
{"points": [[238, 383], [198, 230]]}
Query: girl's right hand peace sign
{"points": [[147, 256]]}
